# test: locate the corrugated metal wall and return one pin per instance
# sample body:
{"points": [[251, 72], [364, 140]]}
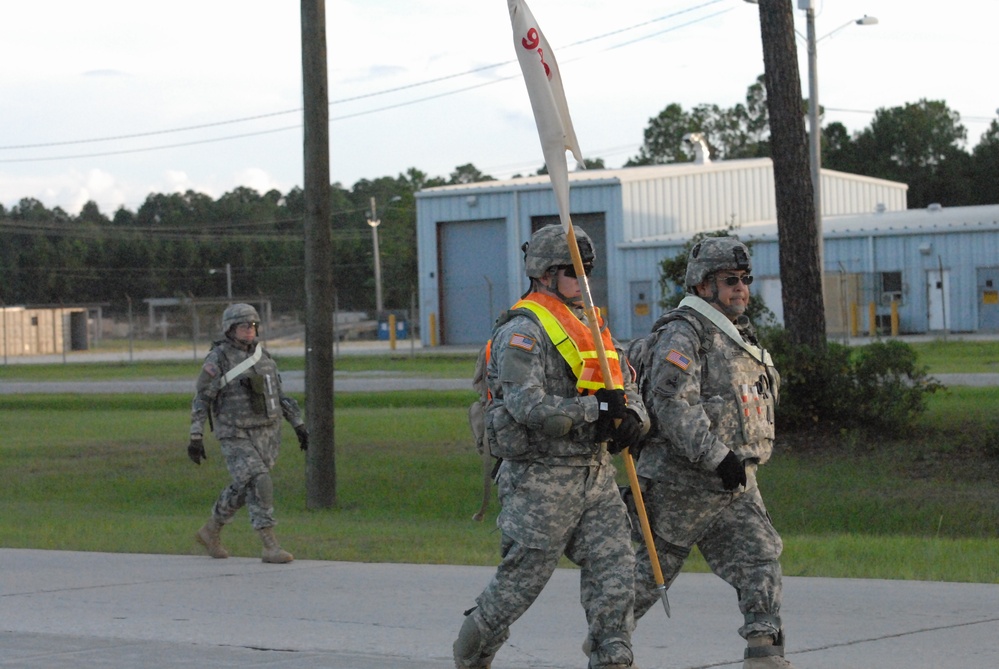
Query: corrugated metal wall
{"points": [[650, 212]]}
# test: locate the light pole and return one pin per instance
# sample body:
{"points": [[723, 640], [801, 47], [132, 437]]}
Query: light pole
{"points": [[373, 222], [228, 280], [814, 131]]}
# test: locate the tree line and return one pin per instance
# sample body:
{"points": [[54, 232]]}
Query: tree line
{"points": [[178, 244]]}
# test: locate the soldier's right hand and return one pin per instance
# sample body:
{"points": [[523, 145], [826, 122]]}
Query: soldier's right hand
{"points": [[613, 405], [196, 450], [732, 471]]}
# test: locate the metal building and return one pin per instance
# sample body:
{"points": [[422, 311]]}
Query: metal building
{"points": [[939, 266], [469, 237]]}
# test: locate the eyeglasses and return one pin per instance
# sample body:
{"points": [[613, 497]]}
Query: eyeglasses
{"points": [[570, 270], [249, 324], [746, 279]]}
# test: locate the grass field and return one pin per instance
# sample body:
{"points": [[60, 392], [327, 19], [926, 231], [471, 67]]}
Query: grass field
{"points": [[110, 473]]}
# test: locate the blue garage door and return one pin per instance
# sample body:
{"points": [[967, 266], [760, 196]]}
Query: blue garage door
{"points": [[472, 279]]}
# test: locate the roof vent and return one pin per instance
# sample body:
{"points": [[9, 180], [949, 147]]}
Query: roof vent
{"points": [[934, 206], [696, 141]]}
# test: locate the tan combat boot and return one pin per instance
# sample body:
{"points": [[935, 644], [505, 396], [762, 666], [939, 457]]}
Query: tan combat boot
{"points": [[273, 553], [763, 653], [208, 536]]}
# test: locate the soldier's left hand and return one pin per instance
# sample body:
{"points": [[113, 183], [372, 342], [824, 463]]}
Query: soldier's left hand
{"points": [[196, 450], [303, 437], [627, 434]]}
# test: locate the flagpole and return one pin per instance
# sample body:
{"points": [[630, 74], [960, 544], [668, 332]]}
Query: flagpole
{"points": [[629, 462]]}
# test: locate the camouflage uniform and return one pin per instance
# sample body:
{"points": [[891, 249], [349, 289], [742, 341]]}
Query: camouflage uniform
{"points": [[709, 395], [558, 494], [246, 415]]}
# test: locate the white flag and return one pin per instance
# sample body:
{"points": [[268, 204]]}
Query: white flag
{"points": [[551, 112]]}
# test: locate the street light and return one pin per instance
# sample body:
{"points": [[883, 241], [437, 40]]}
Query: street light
{"points": [[228, 280], [814, 132], [373, 221]]}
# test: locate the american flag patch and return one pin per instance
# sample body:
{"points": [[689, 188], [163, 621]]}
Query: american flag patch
{"points": [[522, 341], [678, 359]]}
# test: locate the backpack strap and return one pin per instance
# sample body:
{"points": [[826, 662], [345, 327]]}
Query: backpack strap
{"points": [[706, 311], [242, 367]]}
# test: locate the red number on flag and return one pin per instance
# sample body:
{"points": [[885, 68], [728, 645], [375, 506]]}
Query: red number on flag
{"points": [[531, 42]]}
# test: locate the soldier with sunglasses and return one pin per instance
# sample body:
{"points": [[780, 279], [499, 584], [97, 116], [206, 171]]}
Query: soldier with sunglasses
{"points": [[556, 421], [711, 391]]}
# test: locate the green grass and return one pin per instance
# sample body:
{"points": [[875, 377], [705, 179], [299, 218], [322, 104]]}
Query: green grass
{"points": [[958, 357], [110, 473], [941, 357]]}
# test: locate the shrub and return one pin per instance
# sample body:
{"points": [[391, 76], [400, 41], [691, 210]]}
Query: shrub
{"points": [[876, 388]]}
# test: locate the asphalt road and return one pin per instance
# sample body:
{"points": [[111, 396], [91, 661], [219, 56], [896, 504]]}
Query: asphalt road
{"points": [[63, 609]]}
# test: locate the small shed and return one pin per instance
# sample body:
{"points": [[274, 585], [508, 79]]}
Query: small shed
{"points": [[469, 236], [42, 330]]}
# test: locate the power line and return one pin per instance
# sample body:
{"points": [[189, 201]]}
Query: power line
{"points": [[342, 100]]}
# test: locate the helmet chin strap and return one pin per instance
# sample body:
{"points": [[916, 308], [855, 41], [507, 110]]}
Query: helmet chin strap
{"points": [[550, 284], [725, 309]]}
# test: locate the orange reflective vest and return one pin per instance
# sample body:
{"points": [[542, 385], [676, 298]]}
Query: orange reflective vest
{"points": [[574, 342]]}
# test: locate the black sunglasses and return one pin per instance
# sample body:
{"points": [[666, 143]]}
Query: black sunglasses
{"points": [[570, 270], [733, 280]]}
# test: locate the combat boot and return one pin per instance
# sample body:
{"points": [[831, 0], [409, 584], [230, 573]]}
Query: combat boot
{"points": [[470, 651], [208, 536], [766, 652], [273, 553], [611, 652]]}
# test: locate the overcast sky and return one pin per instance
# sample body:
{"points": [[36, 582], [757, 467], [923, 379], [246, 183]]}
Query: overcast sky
{"points": [[111, 100]]}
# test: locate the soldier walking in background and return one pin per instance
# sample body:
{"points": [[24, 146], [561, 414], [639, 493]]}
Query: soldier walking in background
{"points": [[239, 394], [711, 390], [550, 420]]}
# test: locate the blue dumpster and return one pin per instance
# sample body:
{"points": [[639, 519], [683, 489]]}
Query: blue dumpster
{"points": [[401, 330]]}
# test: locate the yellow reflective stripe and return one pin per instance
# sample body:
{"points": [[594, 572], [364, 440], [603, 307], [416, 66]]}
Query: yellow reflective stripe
{"points": [[563, 342], [568, 348]]}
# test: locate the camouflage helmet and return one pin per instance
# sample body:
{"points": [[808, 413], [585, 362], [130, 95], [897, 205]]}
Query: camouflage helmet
{"points": [[238, 313], [714, 254], [548, 248]]}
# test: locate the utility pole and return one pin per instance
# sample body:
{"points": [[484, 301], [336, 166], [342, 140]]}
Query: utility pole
{"points": [[814, 131], [320, 469], [800, 272]]}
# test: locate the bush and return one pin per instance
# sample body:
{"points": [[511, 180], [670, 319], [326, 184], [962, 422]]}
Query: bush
{"points": [[877, 388]]}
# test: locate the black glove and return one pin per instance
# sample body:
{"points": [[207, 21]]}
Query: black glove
{"points": [[732, 471], [196, 450], [303, 437], [612, 407], [627, 434]]}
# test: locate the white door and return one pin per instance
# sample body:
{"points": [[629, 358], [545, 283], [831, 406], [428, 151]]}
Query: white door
{"points": [[937, 299]]}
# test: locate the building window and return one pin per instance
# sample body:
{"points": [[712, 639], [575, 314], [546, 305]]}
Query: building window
{"points": [[891, 287], [34, 320]]}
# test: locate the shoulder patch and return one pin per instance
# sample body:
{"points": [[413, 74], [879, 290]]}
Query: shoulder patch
{"points": [[211, 369], [678, 359], [522, 341]]}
